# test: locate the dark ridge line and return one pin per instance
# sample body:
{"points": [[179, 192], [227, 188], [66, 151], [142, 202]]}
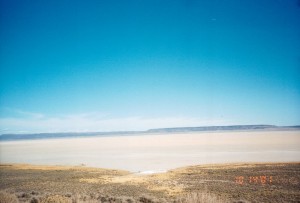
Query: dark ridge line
{"points": [[208, 128], [36, 136]]}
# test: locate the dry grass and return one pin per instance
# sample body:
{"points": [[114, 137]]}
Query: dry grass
{"points": [[56, 199], [201, 197], [8, 198]]}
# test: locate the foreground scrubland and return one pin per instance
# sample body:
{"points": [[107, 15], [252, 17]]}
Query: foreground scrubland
{"points": [[261, 182]]}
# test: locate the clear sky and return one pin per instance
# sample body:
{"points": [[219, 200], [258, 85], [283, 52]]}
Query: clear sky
{"points": [[140, 64]]}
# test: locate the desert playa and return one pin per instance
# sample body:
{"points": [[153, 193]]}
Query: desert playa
{"points": [[157, 152]]}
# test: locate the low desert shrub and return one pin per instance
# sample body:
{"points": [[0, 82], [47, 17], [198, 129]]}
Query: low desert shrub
{"points": [[146, 199], [34, 200], [34, 193], [24, 195], [8, 198]]}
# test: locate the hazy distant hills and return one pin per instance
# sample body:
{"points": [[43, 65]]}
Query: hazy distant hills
{"points": [[11, 137], [214, 128]]}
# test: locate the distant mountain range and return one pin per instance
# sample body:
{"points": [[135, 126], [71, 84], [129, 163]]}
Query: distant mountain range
{"points": [[11, 137]]}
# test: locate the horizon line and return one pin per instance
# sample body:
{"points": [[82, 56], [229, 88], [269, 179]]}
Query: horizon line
{"points": [[262, 126]]}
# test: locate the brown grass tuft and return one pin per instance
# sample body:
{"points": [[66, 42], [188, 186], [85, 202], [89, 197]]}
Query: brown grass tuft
{"points": [[8, 198]]}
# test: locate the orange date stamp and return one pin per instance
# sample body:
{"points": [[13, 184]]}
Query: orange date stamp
{"points": [[263, 180]]}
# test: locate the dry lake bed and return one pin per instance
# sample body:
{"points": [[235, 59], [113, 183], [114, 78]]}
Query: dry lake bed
{"points": [[157, 152]]}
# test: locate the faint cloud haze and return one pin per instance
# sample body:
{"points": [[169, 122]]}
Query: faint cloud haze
{"points": [[21, 113], [93, 121]]}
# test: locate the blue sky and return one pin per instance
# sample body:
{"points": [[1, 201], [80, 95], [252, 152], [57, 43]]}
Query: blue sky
{"points": [[134, 65]]}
